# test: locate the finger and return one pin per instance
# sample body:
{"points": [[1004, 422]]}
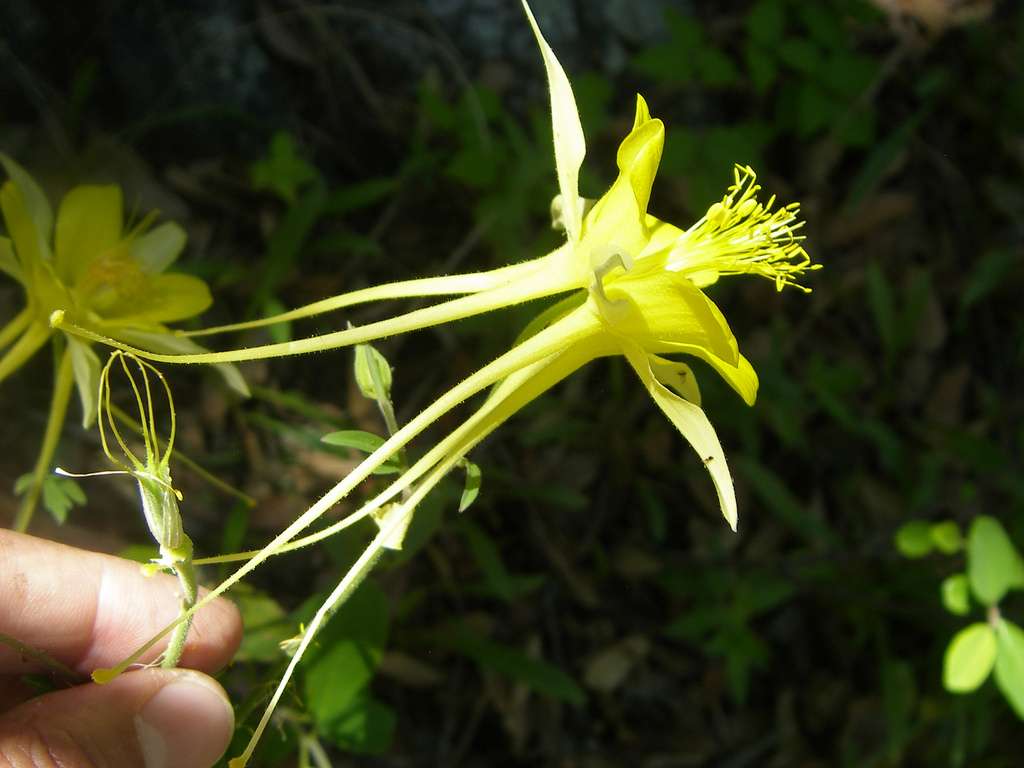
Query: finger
{"points": [[156, 718], [89, 610]]}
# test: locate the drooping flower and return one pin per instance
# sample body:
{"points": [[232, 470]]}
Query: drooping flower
{"points": [[101, 275], [635, 289], [152, 474]]}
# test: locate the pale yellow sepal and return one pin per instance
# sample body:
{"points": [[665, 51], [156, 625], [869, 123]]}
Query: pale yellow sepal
{"points": [[696, 429], [570, 146]]}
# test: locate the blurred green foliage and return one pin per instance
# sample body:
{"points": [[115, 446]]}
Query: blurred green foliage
{"points": [[889, 411]]}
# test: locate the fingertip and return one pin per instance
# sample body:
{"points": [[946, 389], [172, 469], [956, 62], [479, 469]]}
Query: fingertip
{"points": [[187, 723], [153, 717]]}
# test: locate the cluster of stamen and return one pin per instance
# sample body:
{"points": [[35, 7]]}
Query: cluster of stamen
{"points": [[740, 235]]}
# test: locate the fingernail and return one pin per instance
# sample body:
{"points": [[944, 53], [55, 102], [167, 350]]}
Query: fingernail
{"points": [[186, 724]]}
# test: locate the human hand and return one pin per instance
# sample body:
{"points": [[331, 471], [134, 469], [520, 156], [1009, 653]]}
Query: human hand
{"points": [[88, 610]]}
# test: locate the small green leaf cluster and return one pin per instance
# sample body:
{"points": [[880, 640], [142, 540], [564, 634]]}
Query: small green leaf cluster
{"points": [[793, 65], [994, 568]]}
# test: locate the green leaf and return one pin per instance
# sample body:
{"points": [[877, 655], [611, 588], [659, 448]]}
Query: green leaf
{"points": [[372, 369], [499, 581], [59, 494], [361, 195], [266, 626], [987, 275], [766, 21], [367, 727], [969, 658], [1010, 664], [946, 537], [883, 307], [883, 156], [743, 651], [993, 564], [283, 171], [286, 243], [367, 442], [672, 62], [472, 487], [760, 66], [540, 676], [279, 332], [801, 54], [715, 68], [821, 22], [341, 661], [914, 539], [815, 109], [899, 695], [956, 594]]}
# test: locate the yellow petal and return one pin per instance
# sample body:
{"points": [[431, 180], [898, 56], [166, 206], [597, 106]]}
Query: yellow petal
{"points": [[640, 153], [570, 146], [742, 377], [9, 262], [663, 312], [662, 236], [85, 365], [88, 224], [35, 208], [31, 248], [156, 250], [619, 219], [694, 426], [167, 298]]}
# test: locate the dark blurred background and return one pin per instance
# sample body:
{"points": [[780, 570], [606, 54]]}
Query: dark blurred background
{"points": [[591, 608]]}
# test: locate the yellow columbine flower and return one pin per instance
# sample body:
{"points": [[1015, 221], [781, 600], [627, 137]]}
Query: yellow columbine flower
{"points": [[635, 285], [102, 276]]}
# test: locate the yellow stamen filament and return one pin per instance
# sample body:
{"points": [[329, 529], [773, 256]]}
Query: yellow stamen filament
{"points": [[740, 235]]}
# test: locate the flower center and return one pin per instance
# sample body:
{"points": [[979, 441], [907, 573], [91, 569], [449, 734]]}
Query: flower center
{"points": [[111, 278]]}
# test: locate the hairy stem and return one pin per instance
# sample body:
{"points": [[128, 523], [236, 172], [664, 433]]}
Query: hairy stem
{"points": [[187, 578], [62, 386], [430, 286]]}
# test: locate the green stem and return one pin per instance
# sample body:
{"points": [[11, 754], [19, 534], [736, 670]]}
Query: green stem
{"points": [[62, 386], [29, 343], [187, 578], [348, 584], [522, 387], [13, 329], [511, 396], [562, 335]]}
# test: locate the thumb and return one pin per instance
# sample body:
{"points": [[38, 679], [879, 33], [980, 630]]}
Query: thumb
{"points": [[151, 718]]}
